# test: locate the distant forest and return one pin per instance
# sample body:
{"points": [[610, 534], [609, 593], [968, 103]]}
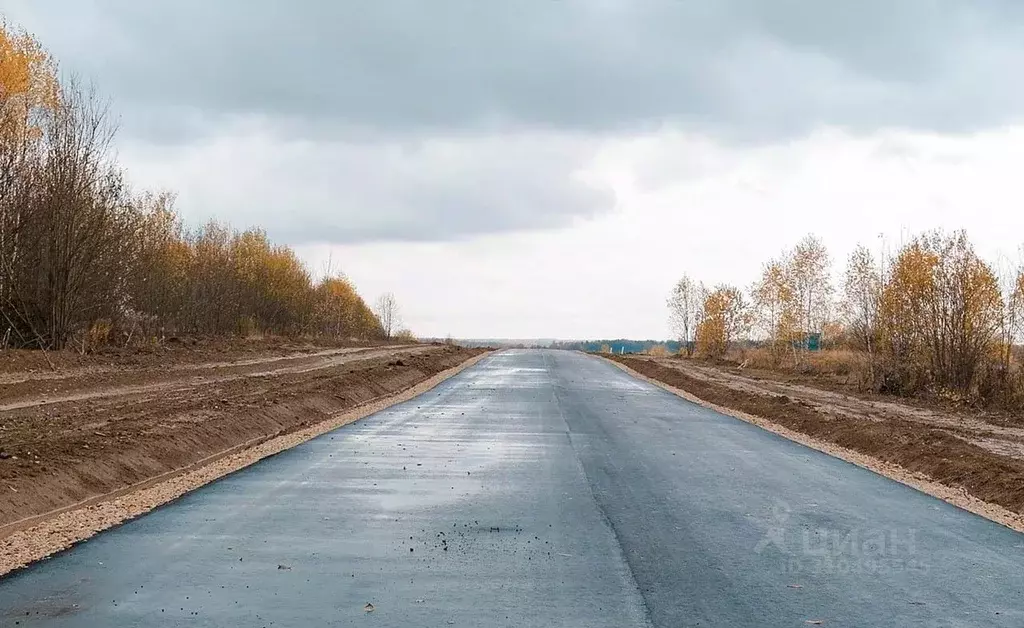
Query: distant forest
{"points": [[619, 345]]}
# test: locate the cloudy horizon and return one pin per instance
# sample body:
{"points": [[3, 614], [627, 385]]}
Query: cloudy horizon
{"points": [[549, 168]]}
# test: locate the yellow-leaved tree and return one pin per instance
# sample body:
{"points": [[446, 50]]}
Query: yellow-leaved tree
{"points": [[808, 272], [340, 312], [724, 317], [940, 310], [84, 261], [28, 91], [776, 310], [28, 84]]}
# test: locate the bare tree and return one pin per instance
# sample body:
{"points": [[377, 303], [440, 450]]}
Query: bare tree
{"points": [[861, 303], [1011, 285], [684, 306], [75, 244], [386, 311], [862, 291]]}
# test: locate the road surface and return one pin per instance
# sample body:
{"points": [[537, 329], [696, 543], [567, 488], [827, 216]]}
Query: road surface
{"points": [[539, 488]]}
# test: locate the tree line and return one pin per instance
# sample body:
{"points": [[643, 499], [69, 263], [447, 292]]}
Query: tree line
{"points": [[932, 316], [617, 345], [85, 260]]}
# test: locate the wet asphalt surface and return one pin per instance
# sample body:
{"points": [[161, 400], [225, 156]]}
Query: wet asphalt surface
{"points": [[539, 488]]}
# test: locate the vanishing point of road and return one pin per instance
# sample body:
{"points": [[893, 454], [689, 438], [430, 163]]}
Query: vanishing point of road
{"points": [[539, 488]]}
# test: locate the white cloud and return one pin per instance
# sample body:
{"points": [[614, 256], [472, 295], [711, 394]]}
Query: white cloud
{"points": [[688, 204]]}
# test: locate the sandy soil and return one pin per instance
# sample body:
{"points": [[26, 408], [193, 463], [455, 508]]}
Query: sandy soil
{"points": [[987, 430], [958, 457], [100, 428]]}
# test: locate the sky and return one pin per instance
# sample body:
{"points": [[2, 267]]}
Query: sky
{"points": [[550, 168]]}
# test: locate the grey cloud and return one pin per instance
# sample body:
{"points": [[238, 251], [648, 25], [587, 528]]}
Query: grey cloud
{"points": [[440, 119], [742, 69], [439, 189]]}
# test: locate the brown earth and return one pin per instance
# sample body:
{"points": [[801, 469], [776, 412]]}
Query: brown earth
{"points": [[960, 450], [179, 349], [100, 425]]}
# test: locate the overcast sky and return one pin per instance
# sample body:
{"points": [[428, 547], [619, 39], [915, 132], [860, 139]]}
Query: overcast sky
{"points": [[548, 168]]}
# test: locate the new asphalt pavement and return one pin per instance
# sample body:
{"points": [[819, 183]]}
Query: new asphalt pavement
{"points": [[539, 488]]}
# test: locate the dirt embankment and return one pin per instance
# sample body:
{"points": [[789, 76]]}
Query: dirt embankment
{"points": [[976, 459], [91, 429]]}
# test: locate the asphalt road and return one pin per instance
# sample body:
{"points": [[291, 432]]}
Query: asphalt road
{"points": [[539, 489]]}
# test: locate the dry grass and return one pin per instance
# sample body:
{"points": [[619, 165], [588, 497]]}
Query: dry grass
{"points": [[658, 351], [833, 362], [994, 386]]}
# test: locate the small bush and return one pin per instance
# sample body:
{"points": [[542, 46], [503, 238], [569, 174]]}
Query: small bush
{"points": [[404, 335], [658, 351]]}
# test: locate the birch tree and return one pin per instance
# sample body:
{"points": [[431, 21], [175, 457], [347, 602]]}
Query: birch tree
{"points": [[684, 306]]}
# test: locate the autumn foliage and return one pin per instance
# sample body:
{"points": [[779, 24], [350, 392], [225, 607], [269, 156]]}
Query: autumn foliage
{"points": [[85, 260], [724, 317], [940, 313], [934, 318]]}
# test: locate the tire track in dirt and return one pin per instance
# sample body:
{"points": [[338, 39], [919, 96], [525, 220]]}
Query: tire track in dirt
{"points": [[305, 364], [1004, 440]]}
